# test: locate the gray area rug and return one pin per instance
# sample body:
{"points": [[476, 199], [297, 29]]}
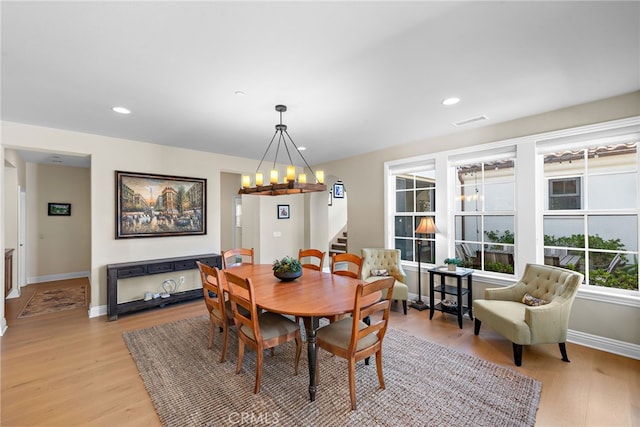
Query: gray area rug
{"points": [[426, 384]]}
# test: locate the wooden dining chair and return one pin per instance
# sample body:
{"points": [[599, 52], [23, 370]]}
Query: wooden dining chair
{"points": [[237, 256], [353, 339], [220, 314], [259, 332], [346, 264], [316, 258]]}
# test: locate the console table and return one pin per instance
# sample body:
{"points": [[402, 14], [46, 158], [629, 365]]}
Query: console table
{"points": [[145, 268], [458, 291]]}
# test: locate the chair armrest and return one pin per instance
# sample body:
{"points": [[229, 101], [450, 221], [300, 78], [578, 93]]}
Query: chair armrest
{"points": [[509, 293], [548, 323]]}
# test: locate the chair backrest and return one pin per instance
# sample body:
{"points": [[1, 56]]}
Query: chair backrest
{"points": [[377, 323], [212, 290], [346, 264], [237, 256], [241, 294], [316, 258], [382, 259], [549, 283]]}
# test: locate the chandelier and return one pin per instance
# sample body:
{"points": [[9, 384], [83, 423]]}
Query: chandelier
{"points": [[291, 184]]}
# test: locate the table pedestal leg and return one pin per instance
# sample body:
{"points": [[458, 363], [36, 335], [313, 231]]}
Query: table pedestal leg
{"points": [[311, 324]]}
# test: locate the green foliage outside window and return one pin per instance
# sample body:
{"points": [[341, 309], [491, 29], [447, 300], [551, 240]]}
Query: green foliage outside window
{"points": [[622, 277]]}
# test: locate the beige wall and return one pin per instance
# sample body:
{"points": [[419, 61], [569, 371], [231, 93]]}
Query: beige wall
{"points": [[229, 184], [366, 197], [111, 154], [58, 245]]}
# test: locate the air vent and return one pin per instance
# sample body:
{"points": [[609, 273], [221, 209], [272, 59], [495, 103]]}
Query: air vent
{"points": [[472, 120]]}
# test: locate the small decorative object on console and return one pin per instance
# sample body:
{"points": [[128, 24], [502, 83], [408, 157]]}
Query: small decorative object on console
{"points": [[449, 304], [453, 263], [287, 269]]}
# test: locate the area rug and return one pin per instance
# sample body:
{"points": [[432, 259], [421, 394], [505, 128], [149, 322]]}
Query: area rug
{"points": [[426, 384], [53, 300]]}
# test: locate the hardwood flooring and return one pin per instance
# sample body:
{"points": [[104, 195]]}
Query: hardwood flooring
{"points": [[64, 369]]}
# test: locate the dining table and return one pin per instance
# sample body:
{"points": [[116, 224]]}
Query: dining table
{"points": [[315, 294]]}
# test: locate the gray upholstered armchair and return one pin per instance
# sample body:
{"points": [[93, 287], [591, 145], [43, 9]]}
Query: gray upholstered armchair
{"points": [[374, 264], [533, 311]]}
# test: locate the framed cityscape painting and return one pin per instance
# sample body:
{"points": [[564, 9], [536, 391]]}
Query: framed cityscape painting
{"points": [[150, 205]]}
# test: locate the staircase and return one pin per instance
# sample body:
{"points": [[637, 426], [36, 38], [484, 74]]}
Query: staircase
{"points": [[339, 245]]}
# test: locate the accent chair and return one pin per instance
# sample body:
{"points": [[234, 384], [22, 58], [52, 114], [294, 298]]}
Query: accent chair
{"points": [[535, 310]]}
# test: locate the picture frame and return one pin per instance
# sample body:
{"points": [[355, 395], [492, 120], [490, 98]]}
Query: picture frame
{"points": [[153, 205], [338, 190], [283, 211], [59, 209]]}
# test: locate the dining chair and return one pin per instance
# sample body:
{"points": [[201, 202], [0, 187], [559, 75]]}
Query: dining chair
{"points": [[259, 332], [346, 264], [353, 339], [237, 256], [316, 258], [220, 314]]}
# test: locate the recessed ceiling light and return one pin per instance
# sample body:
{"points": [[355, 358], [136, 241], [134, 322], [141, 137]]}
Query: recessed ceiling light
{"points": [[450, 101], [239, 93], [121, 110]]}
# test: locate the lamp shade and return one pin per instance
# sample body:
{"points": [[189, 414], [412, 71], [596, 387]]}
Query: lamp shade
{"points": [[426, 226]]}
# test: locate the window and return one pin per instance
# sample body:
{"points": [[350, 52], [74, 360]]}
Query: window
{"points": [[415, 195], [590, 223], [564, 193], [485, 215]]}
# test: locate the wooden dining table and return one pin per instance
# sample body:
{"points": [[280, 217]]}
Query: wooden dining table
{"points": [[313, 295]]}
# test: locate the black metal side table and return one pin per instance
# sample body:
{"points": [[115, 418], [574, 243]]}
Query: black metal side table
{"points": [[458, 291]]}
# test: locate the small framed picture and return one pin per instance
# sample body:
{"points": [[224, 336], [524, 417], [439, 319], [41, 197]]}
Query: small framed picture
{"points": [[338, 190], [59, 209], [283, 211]]}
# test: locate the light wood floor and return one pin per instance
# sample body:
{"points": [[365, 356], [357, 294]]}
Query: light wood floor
{"points": [[64, 369]]}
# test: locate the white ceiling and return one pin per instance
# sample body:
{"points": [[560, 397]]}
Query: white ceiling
{"points": [[356, 76]]}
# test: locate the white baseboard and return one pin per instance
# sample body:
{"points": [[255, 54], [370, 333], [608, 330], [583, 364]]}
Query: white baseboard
{"points": [[101, 310], [605, 344], [53, 277], [15, 293]]}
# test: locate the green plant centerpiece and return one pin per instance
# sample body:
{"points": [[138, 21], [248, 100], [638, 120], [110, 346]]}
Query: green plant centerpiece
{"points": [[287, 269], [453, 263]]}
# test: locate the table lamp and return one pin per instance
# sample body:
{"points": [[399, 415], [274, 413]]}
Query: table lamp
{"points": [[426, 226]]}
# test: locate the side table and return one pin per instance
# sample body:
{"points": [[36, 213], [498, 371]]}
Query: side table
{"points": [[457, 291]]}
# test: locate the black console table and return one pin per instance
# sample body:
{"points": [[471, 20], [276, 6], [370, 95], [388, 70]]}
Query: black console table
{"points": [[460, 309], [145, 268]]}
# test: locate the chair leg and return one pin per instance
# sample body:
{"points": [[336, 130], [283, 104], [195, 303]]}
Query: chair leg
{"points": [[367, 320], [517, 354], [404, 306], [240, 356], [379, 368], [352, 383], [259, 356], [476, 326], [224, 343], [212, 327], [563, 351]]}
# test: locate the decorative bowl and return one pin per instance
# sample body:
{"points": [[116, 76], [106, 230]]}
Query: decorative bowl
{"points": [[449, 304], [288, 276]]}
